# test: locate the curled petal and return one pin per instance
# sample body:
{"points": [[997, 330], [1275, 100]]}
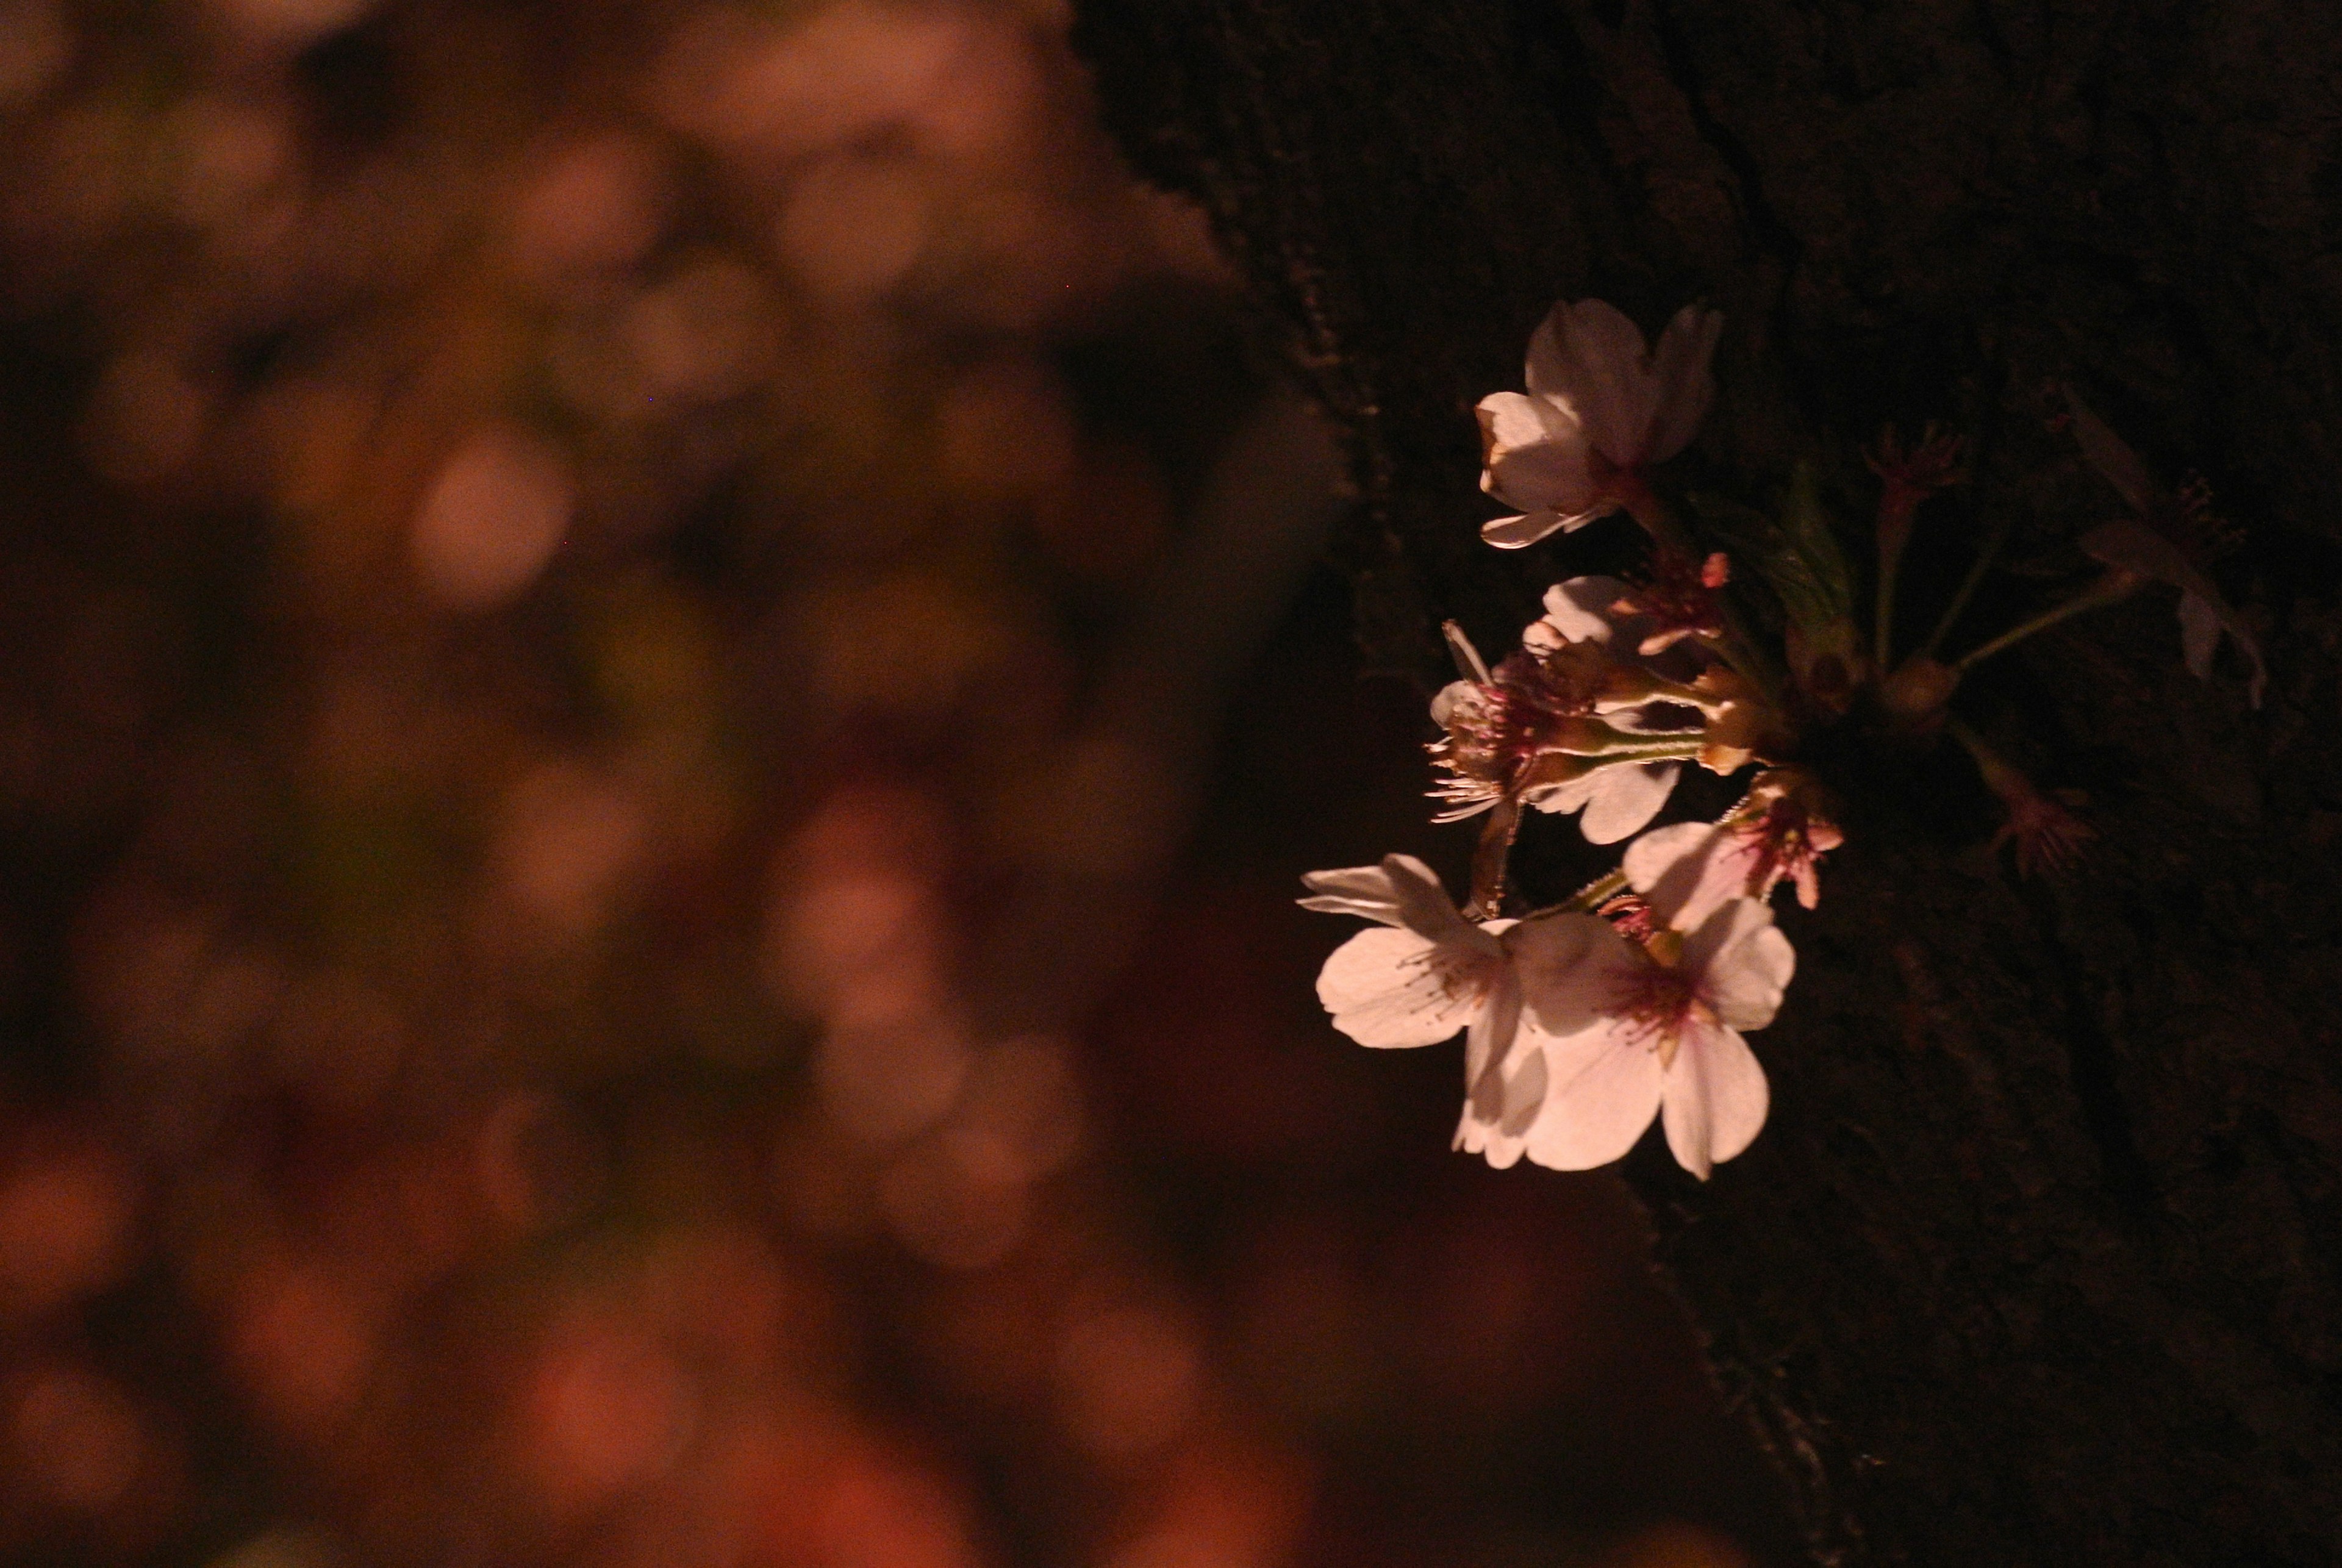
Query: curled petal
{"points": [[2112, 456], [1425, 908], [1604, 1091], [1519, 533], [1687, 386], [1360, 890], [2135, 547], [1534, 455], [1389, 988], [1579, 609], [1716, 1098]]}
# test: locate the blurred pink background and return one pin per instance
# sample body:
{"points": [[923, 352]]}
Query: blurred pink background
{"points": [[667, 670]]}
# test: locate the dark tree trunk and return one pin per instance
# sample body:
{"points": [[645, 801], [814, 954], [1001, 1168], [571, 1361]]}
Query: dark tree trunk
{"points": [[2040, 1257]]}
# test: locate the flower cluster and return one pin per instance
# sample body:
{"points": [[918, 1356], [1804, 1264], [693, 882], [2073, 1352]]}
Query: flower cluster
{"points": [[1626, 1003]]}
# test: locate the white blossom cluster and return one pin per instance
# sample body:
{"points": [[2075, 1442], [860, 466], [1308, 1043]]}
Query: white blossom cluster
{"points": [[1627, 1003], [1585, 1022]]}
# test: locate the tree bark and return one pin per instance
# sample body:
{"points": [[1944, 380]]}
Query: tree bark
{"points": [[2040, 1257]]}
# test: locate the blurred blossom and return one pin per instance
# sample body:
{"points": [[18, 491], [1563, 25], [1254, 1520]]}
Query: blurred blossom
{"points": [[854, 225], [1128, 1379], [229, 153], [535, 1165], [35, 46], [591, 1065], [144, 419], [492, 519], [285, 25], [1020, 1117], [853, 67], [1676, 1545], [66, 1211], [605, 1408], [704, 334], [883, 1083], [77, 1437], [570, 835], [303, 1340], [1227, 1503], [287, 1548], [879, 1513], [861, 947], [1006, 434], [596, 204], [951, 1213], [339, 1036]]}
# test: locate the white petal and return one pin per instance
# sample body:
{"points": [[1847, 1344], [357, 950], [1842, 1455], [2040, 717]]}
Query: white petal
{"points": [[1608, 370], [1604, 1089], [1392, 988], [1625, 797], [1743, 962], [1501, 1108], [1686, 385], [2112, 456], [1455, 696], [1488, 1043], [1649, 859], [1571, 967], [2199, 634], [1363, 890], [1579, 609], [1534, 455], [1716, 1098], [1685, 876], [1519, 533], [1424, 907]]}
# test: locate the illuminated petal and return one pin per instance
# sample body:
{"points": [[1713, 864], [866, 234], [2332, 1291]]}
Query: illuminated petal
{"points": [[1535, 455], [1360, 890], [1716, 1098], [1572, 966], [1579, 609], [1625, 797], [1743, 962], [1392, 988], [1603, 373], [1604, 1089]]}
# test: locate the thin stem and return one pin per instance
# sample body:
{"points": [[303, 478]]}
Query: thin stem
{"points": [[1893, 534], [2112, 588], [1586, 899], [1491, 859], [1977, 569]]}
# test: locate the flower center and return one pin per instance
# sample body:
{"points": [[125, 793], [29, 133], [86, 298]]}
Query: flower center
{"points": [[1655, 1002], [1520, 714]]}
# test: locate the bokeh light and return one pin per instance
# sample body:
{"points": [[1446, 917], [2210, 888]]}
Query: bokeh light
{"points": [[668, 666]]}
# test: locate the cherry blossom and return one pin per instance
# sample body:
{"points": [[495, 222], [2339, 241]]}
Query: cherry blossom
{"points": [[2167, 540], [1525, 731], [1421, 974], [1638, 1036], [1689, 870], [1601, 407]]}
